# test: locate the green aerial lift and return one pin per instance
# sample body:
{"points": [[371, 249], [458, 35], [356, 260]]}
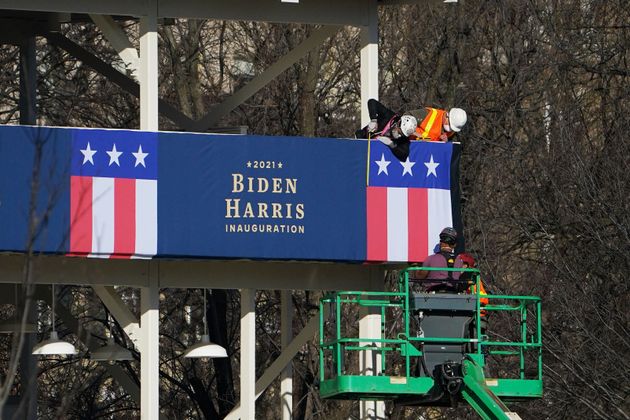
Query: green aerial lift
{"points": [[433, 349]]}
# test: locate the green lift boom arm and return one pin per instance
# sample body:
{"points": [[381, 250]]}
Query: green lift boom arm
{"points": [[480, 397]]}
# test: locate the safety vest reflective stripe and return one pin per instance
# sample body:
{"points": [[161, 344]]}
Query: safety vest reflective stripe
{"points": [[428, 129], [429, 124]]}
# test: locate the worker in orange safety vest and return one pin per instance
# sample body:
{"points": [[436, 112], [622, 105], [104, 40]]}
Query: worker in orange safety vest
{"points": [[468, 261], [397, 130], [438, 124]]}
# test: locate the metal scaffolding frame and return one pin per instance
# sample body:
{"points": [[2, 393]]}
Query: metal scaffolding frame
{"points": [[139, 77]]}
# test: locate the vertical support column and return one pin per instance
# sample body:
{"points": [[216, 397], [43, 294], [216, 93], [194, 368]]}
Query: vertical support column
{"points": [[248, 354], [28, 116], [370, 323], [28, 363], [369, 360], [149, 71], [286, 377], [28, 82], [369, 62], [150, 350]]}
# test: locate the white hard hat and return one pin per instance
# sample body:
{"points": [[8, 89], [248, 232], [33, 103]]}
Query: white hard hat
{"points": [[408, 125], [457, 119]]}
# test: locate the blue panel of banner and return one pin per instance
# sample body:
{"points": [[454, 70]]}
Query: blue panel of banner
{"points": [[132, 194]]}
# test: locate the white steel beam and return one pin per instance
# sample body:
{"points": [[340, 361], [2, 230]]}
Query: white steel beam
{"points": [[420, 2], [286, 376], [150, 350], [120, 42], [344, 12], [194, 273], [120, 312], [340, 12], [260, 81], [370, 360], [369, 62], [149, 73], [248, 354], [370, 323]]}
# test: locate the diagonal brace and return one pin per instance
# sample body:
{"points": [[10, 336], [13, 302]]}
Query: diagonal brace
{"points": [[116, 77], [120, 312], [115, 370], [309, 330], [260, 81], [119, 40]]}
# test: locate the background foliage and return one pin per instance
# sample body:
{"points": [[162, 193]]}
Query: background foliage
{"points": [[545, 183]]}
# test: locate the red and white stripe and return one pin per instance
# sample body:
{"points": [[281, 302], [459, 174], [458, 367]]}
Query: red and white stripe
{"points": [[404, 224], [113, 217]]}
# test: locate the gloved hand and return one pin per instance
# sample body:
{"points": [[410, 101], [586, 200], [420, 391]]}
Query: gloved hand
{"points": [[372, 126], [386, 140]]}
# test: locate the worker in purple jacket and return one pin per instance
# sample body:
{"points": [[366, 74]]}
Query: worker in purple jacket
{"points": [[444, 258]]}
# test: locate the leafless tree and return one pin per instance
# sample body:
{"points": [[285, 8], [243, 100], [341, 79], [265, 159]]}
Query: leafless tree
{"points": [[544, 179]]}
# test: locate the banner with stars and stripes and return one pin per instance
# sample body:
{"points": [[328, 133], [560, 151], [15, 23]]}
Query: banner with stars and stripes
{"points": [[101, 193], [113, 194], [410, 202]]}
